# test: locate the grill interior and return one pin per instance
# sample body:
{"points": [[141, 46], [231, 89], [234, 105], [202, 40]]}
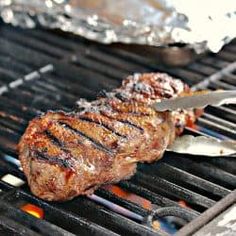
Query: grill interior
{"points": [[42, 70]]}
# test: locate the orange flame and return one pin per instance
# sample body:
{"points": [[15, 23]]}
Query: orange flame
{"points": [[130, 196], [33, 210], [183, 204]]}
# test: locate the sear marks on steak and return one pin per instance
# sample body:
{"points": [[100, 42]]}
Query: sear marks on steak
{"points": [[64, 155]]}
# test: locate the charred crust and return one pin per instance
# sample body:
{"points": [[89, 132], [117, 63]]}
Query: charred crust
{"points": [[131, 124], [83, 118], [66, 163], [81, 134]]}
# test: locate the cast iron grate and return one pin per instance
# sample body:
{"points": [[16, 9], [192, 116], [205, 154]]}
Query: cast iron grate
{"points": [[42, 70]]}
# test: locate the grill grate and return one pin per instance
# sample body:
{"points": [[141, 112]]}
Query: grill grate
{"points": [[41, 70]]}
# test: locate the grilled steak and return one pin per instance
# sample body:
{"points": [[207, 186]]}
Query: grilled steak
{"points": [[64, 155]]}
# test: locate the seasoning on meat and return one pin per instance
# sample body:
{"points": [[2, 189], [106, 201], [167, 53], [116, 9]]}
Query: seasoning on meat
{"points": [[64, 155]]}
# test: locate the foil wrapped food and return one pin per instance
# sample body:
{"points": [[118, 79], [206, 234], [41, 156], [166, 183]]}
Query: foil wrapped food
{"points": [[205, 25]]}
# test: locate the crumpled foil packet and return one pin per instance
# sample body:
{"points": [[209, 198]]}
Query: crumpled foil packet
{"points": [[204, 25]]}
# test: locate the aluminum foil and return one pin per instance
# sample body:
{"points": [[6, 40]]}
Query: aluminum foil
{"points": [[204, 25]]}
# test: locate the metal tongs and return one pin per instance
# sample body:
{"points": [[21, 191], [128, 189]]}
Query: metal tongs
{"points": [[216, 98], [200, 145]]}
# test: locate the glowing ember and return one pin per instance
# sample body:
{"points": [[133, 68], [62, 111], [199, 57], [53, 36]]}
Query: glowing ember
{"points": [[33, 210], [129, 196], [182, 203], [156, 225], [192, 125]]}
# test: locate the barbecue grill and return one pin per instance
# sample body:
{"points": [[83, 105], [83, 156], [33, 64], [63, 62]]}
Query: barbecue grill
{"points": [[42, 70]]}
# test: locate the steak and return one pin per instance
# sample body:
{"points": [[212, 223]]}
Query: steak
{"points": [[64, 155]]}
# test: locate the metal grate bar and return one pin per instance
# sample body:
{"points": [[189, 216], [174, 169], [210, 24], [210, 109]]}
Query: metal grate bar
{"points": [[7, 168], [185, 179], [185, 74], [204, 169], [155, 198], [223, 112], [56, 216], [171, 190], [87, 50], [11, 124], [209, 216], [12, 65], [66, 220], [35, 44], [222, 85], [122, 202], [221, 121], [216, 127], [12, 227], [33, 75], [7, 146], [79, 59], [87, 62], [8, 75], [215, 77], [230, 79], [231, 47], [108, 219], [57, 39], [82, 75], [100, 67], [29, 100], [226, 164], [12, 107], [227, 56], [68, 86], [201, 68], [26, 222], [214, 62]]}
